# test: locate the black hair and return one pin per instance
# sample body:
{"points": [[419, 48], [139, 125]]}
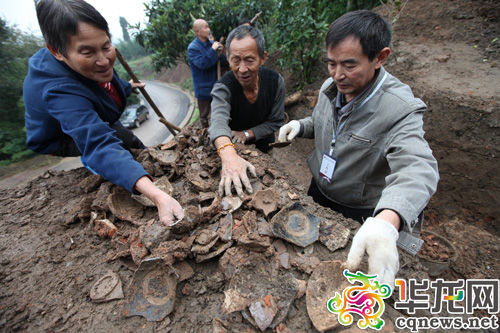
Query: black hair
{"points": [[242, 31], [373, 32], [244, 20], [58, 20]]}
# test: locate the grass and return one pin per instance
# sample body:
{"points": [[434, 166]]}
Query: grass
{"points": [[196, 115]]}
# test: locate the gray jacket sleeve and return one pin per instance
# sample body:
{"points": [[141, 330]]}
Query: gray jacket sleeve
{"points": [[221, 112], [307, 124], [414, 171], [276, 117]]}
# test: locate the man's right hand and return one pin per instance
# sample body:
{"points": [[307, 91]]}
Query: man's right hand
{"points": [[289, 131], [217, 47], [234, 169]]}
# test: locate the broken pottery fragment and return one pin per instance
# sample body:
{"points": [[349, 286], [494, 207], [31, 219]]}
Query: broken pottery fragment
{"points": [[306, 263], [152, 291], [205, 240], [263, 311], [333, 235], [218, 326], [183, 270], [295, 225], [107, 288], [172, 251], [191, 219], [217, 249], [153, 233], [100, 201], [247, 233], [104, 228], [326, 280], [265, 201], [302, 288], [230, 204], [194, 175], [225, 228], [138, 251], [233, 301], [122, 205], [91, 183], [293, 195], [164, 157], [285, 260], [169, 145], [163, 184], [256, 279]]}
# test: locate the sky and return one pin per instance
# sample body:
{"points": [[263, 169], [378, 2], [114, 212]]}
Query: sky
{"points": [[22, 13]]}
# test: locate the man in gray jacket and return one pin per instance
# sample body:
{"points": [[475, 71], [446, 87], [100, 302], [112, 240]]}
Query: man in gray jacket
{"points": [[370, 159]]}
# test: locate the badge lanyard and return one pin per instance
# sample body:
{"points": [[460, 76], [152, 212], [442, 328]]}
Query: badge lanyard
{"points": [[329, 161]]}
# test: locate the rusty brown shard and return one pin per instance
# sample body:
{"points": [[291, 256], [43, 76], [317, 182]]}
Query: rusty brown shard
{"points": [[326, 280], [164, 157], [218, 248], [107, 288], [295, 225], [265, 201], [122, 206], [231, 204]]}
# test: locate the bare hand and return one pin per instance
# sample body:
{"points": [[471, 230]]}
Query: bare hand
{"points": [[217, 47], [234, 171], [169, 210], [238, 137], [136, 85]]}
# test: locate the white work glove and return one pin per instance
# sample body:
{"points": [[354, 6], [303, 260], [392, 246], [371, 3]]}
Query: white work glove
{"points": [[289, 131], [378, 238]]}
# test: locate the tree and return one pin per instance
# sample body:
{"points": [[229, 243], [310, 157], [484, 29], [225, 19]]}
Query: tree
{"points": [[124, 24], [15, 49], [170, 28]]}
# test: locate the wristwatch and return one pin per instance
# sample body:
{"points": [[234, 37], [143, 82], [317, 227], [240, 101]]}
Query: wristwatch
{"points": [[246, 135]]}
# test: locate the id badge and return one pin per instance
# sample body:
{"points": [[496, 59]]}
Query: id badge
{"points": [[327, 167]]}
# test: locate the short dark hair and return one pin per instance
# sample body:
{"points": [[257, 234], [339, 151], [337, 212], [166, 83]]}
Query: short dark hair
{"points": [[247, 30], [373, 32], [244, 20], [58, 20]]}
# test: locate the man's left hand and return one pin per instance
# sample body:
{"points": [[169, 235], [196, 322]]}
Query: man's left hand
{"points": [[238, 137], [378, 238], [136, 85]]}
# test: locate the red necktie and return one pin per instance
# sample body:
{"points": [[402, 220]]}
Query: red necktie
{"points": [[113, 93]]}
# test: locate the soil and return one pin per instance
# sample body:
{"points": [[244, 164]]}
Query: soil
{"points": [[51, 254]]}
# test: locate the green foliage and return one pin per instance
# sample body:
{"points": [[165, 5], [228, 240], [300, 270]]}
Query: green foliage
{"points": [[15, 49], [130, 49], [170, 28]]}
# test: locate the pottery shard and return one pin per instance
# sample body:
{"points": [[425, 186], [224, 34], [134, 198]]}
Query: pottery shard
{"points": [[91, 183], [206, 243], [247, 233], [104, 228], [217, 249], [153, 233], [326, 280], [168, 145], [230, 204], [122, 206], [234, 301], [163, 184], [172, 251], [107, 288], [302, 288], [333, 235], [164, 157], [265, 201], [183, 270], [192, 215], [263, 311], [225, 228], [100, 201], [138, 251], [305, 263]]}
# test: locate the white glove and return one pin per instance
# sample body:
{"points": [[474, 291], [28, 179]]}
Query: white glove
{"points": [[378, 238], [289, 131]]}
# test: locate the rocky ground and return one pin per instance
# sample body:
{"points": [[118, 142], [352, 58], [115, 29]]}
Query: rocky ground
{"points": [[58, 239]]}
